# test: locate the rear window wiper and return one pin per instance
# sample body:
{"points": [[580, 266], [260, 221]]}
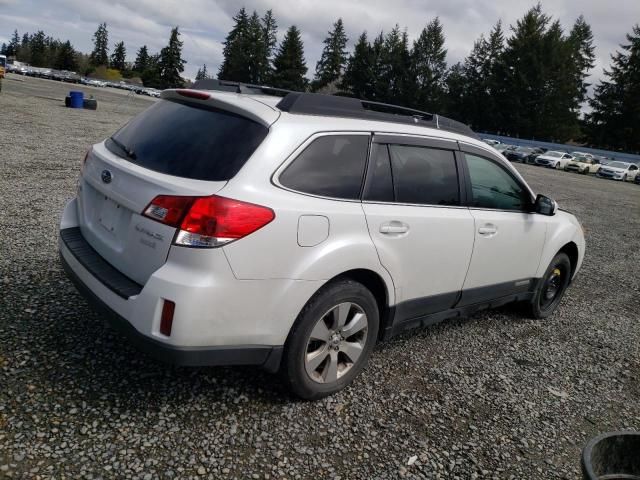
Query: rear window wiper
{"points": [[128, 151]]}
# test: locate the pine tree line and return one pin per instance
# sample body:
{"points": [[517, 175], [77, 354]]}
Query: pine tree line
{"points": [[161, 70]]}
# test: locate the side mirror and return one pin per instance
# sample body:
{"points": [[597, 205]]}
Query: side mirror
{"points": [[545, 206]]}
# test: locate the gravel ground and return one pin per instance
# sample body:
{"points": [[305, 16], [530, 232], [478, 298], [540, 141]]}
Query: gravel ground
{"points": [[492, 396]]}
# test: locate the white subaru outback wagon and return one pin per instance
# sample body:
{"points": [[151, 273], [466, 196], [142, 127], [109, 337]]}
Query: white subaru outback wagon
{"points": [[226, 228]]}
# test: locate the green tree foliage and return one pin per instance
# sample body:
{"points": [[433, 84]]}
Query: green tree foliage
{"points": [[359, 76], [100, 54], [14, 44], [334, 57], [393, 82], [248, 48], [202, 73], [151, 74], [66, 57], [614, 121], [171, 64], [289, 63], [119, 57], [234, 66], [142, 60], [583, 55], [4, 48], [428, 67], [38, 49]]}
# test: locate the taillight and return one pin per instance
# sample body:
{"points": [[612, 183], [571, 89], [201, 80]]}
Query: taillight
{"points": [[208, 221], [168, 209]]}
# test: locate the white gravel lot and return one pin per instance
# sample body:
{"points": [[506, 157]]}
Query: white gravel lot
{"points": [[497, 395]]}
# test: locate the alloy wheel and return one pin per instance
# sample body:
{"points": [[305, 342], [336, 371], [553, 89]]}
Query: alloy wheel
{"points": [[336, 342]]}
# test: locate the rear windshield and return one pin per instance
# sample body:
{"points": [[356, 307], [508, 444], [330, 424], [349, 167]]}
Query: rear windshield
{"points": [[188, 141]]}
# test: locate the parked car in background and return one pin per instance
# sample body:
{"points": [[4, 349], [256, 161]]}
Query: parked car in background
{"points": [[247, 232], [554, 159], [491, 142], [617, 170], [521, 154], [502, 147], [582, 154], [583, 164]]}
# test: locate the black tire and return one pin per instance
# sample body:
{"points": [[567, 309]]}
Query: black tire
{"points": [[624, 177], [67, 101], [294, 367], [541, 306], [90, 104], [557, 166]]}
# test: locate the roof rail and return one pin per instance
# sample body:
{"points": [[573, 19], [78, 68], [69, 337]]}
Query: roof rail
{"points": [[238, 87], [337, 106]]}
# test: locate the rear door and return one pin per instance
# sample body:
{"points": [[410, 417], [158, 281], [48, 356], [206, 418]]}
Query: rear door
{"points": [[508, 238], [172, 148], [423, 234]]}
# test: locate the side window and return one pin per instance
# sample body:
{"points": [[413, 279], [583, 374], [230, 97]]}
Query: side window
{"points": [[331, 166], [493, 187], [633, 167], [423, 175], [379, 185]]}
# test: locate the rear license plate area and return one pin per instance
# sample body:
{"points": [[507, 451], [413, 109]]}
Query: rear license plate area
{"points": [[108, 215]]}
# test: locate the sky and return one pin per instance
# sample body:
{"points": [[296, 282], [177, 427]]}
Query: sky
{"points": [[205, 23]]}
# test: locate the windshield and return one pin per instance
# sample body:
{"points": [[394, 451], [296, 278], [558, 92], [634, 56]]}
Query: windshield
{"points": [[618, 165], [524, 149], [554, 154], [581, 158]]}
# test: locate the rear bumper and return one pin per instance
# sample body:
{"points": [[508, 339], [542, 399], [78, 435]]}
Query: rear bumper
{"points": [[265, 356]]}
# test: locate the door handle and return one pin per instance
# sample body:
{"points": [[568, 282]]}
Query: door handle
{"points": [[394, 227], [488, 230]]}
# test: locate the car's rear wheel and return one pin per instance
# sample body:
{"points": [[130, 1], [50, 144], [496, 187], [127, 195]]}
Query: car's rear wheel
{"points": [[551, 287], [331, 340]]}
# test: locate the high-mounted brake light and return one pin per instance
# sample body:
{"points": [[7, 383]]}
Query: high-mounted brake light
{"points": [[193, 94], [208, 221]]}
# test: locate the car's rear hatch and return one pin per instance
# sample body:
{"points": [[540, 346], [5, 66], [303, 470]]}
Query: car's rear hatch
{"points": [[173, 148]]}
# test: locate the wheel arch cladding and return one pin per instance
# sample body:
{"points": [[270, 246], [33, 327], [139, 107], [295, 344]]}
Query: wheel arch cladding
{"points": [[571, 249], [377, 286]]}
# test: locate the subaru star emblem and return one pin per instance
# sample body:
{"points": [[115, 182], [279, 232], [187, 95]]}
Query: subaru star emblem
{"points": [[106, 176]]}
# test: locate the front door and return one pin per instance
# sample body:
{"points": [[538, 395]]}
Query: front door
{"points": [[508, 238]]}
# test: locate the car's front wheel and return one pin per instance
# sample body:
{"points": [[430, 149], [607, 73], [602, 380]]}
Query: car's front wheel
{"points": [[331, 340], [552, 287]]}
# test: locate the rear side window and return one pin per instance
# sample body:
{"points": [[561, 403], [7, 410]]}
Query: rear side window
{"points": [[188, 141], [423, 175], [331, 166]]}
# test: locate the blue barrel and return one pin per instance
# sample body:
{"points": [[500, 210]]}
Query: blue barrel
{"points": [[77, 99]]}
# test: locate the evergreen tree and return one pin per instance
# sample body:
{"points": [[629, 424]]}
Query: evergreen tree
{"points": [[150, 76], [14, 44], [171, 63], [235, 65], [4, 48], [289, 63], [119, 57], [38, 49], [66, 57], [455, 100], [358, 79], [269, 31], [142, 59], [393, 82], [100, 54], [429, 66], [614, 121], [334, 57], [583, 53], [256, 51], [24, 51], [202, 73]]}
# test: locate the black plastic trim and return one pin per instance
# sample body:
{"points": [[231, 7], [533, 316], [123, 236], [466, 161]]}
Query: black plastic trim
{"points": [[267, 356], [477, 299], [111, 278], [418, 307], [438, 143]]}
